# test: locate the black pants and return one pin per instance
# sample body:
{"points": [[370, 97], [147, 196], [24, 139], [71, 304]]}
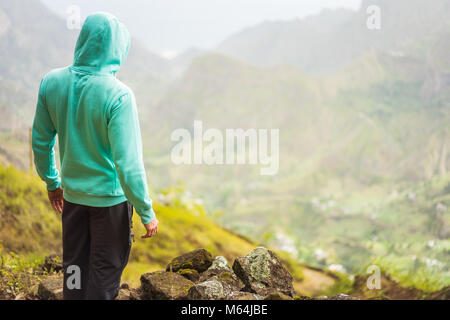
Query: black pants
{"points": [[96, 247]]}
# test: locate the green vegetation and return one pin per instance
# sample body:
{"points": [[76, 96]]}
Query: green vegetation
{"points": [[30, 230], [19, 275], [27, 223]]}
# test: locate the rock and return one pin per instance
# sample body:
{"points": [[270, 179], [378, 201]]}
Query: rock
{"points": [[229, 281], [52, 263], [189, 274], [342, 296], [162, 285], [135, 294], [277, 295], [34, 290], [21, 296], [51, 288], [220, 263], [127, 293], [207, 290], [220, 271], [199, 260], [261, 272], [240, 295], [124, 294]]}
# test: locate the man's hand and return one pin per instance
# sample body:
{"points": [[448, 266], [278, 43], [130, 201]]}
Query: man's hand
{"points": [[56, 199], [152, 229]]}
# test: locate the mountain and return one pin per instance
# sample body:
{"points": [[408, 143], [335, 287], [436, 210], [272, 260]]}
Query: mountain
{"points": [[351, 124], [326, 42], [364, 160], [33, 40], [27, 53]]}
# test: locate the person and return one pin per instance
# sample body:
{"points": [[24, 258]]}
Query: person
{"points": [[102, 170]]}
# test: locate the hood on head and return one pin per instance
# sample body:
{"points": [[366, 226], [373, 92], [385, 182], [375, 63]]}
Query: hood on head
{"points": [[102, 45]]}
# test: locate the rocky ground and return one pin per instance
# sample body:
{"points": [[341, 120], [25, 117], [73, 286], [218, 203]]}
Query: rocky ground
{"points": [[197, 275]]}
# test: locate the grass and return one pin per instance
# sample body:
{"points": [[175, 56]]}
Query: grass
{"points": [[27, 223], [19, 274]]}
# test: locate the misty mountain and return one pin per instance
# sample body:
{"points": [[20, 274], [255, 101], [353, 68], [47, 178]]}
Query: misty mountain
{"points": [[364, 154], [350, 124], [27, 53], [328, 41], [33, 40], [364, 149]]}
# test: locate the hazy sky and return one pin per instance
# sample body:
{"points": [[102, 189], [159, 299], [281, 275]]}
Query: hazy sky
{"points": [[175, 25]]}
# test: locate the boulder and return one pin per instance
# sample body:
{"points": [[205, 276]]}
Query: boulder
{"points": [[199, 260], [52, 263], [190, 274], [229, 281], [207, 290], [51, 288], [220, 271], [220, 263], [262, 272], [162, 285]]}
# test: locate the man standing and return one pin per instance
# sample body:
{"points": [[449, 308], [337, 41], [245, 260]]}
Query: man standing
{"points": [[102, 171]]}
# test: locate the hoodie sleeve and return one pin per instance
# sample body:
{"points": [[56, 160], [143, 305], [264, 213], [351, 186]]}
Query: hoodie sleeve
{"points": [[126, 145], [43, 142]]}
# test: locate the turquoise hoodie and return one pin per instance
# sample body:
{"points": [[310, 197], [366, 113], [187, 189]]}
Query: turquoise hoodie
{"points": [[96, 120]]}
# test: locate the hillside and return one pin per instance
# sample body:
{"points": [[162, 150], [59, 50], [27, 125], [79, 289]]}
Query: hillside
{"points": [[381, 119], [30, 230], [348, 142]]}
